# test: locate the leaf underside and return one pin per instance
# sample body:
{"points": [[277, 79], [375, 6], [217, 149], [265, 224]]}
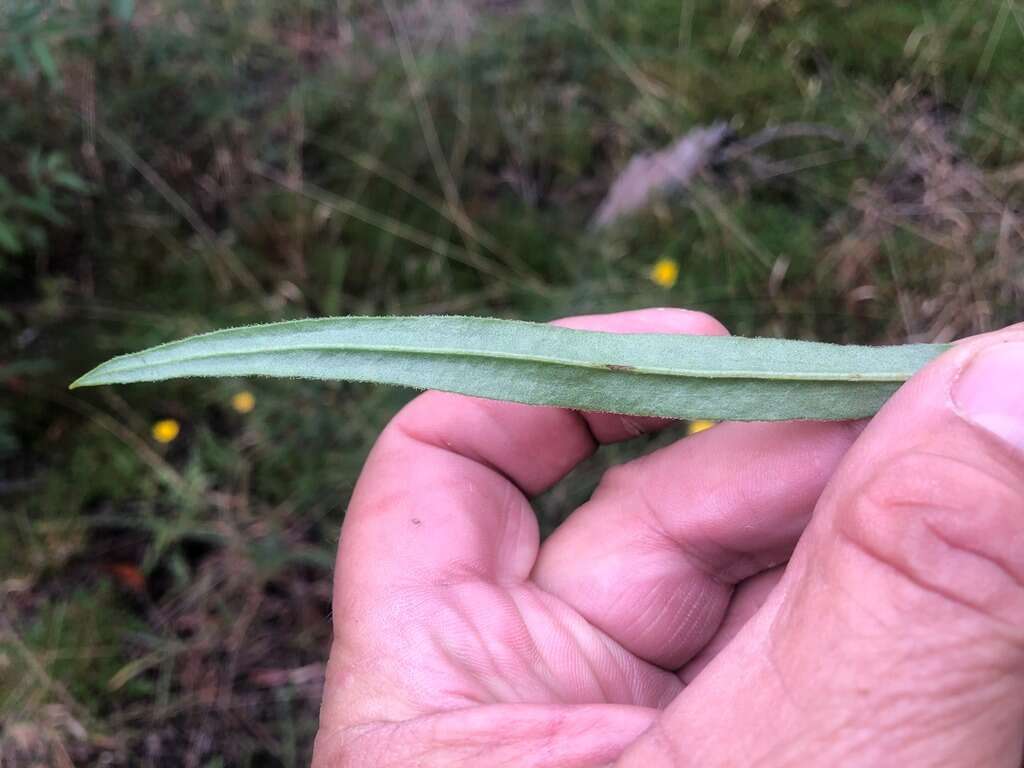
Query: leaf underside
{"points": [[672, 375]]}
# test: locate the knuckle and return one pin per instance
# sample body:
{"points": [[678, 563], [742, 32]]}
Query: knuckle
{"points": [[939, 491], [950, 525]]}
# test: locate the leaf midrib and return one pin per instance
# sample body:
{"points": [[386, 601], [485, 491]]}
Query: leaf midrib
{"points": [[719, 374]]}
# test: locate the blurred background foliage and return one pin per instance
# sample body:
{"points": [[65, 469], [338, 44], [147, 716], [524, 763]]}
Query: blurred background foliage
{"points": [[174, 166]]}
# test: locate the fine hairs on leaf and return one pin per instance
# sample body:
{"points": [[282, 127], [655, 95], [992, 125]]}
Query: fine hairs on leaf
{"points": [[671, 375]]}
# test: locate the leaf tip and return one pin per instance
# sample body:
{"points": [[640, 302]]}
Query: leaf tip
{"points": [[82, 381]]}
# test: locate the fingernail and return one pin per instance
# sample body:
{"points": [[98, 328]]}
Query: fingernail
{"points": [[990, 392]]}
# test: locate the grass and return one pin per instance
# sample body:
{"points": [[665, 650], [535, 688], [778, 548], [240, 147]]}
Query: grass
{"points": [[173, 167]]}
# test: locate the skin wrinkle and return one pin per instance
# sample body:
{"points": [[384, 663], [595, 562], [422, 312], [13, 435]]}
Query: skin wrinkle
{"points": [[525, 740], [557, 613], [661, 609], [911, 662], [642, 621], [615, 651], [613, 606], [632, 679], [687, 627], [735, 564], [516, 596], [908, 574], [374, 734], [680, 544], [532, 654], [960, 694], [634, 674], [586, 676], [917, 461], [731, 564], [743, 605], [702, 606], [652, 512], [988, 473], [525, 531], [481, 644], [998, 563], [921, 507], [445, 651], [549, 733], [589, 663], [659, 540], [584, 656], [858, 735], [1001, 563], [445, 659]]}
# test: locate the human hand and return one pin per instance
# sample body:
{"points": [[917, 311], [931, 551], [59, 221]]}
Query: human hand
{"points": [[659, 626]]}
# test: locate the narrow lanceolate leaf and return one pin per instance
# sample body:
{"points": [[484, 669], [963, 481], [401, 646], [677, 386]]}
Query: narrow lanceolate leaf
{"points": [[643, 374]]}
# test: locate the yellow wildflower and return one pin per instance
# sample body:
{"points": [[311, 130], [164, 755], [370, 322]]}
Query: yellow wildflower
{"points": [[165, 430], [243, 401], [665, 272], [698, 426]]}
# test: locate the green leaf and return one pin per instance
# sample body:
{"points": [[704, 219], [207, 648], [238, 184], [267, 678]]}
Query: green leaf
{"points": [[644, 374], [21, 61], [8, 240], [41, 52], [72, 181]]}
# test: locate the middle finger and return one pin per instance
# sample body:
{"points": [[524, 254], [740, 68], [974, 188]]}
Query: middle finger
{"points": [[652, 558]]}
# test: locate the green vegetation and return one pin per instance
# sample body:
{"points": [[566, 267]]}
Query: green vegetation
{"points": [[169, 167]]}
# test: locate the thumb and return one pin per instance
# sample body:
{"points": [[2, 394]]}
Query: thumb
{"points": [[896, 636]]}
